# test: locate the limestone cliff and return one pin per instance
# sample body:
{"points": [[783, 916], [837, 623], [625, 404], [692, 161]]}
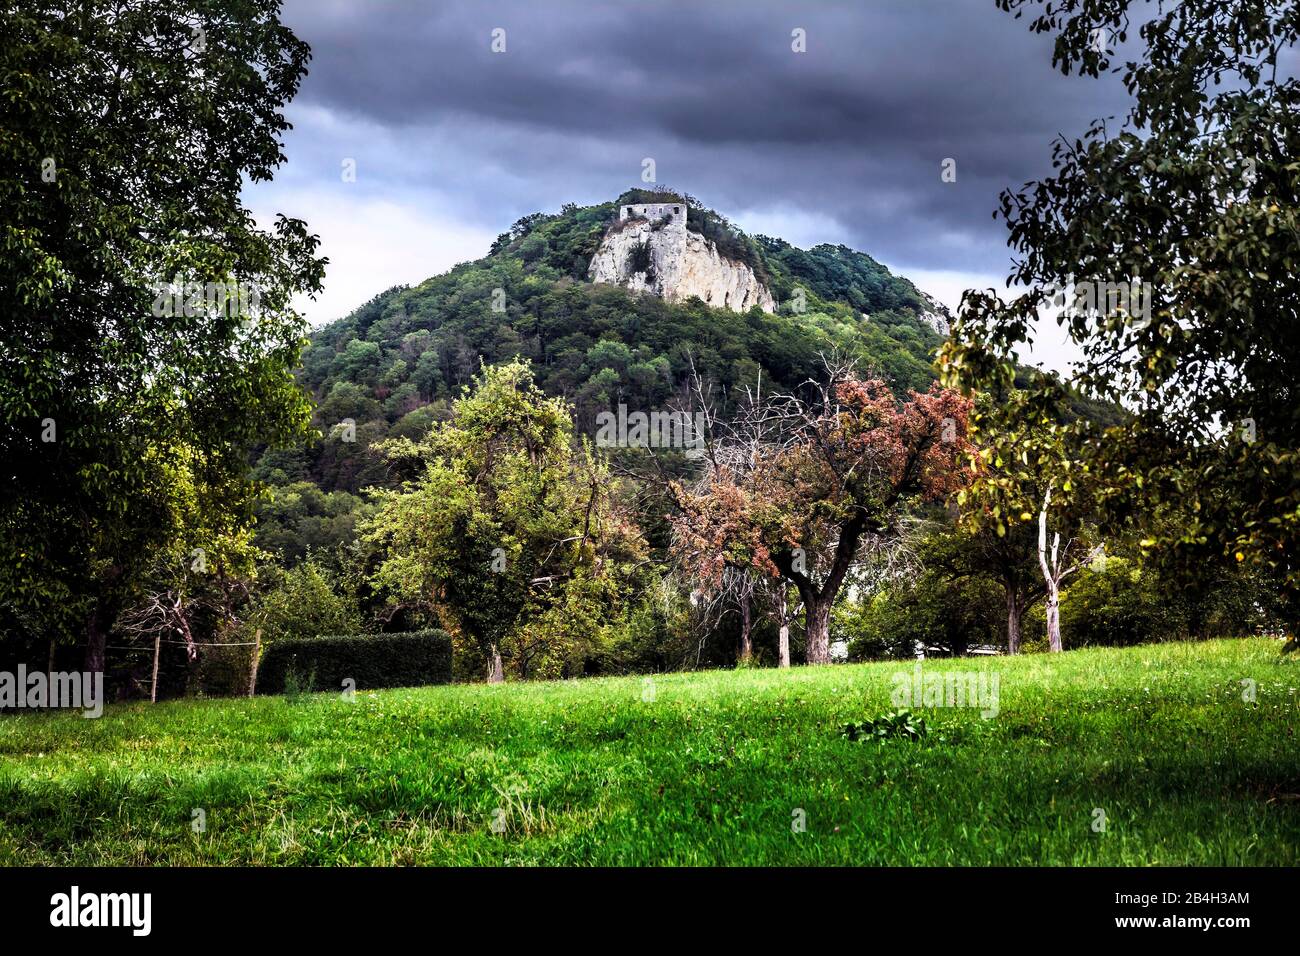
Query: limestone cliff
{"points": [[651, 250], [936, 316]]}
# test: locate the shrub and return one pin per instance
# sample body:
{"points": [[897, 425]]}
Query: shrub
{"points": [[640, 260], [221, 670], [296, 684], [408, 659]]}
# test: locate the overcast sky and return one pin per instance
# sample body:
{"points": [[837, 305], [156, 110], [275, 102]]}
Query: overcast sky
{"points": [[452, 142]]}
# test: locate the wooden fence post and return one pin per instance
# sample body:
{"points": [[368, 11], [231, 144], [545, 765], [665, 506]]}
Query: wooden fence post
{"points": [[153, 687], [257, 653]]}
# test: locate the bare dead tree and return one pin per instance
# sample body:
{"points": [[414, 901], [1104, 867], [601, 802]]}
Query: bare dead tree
{"points": [[165, 611], [169, 609], [738, 593]]}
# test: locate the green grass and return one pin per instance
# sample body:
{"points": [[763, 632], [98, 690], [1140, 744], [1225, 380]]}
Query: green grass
{"points": [[708, 772]]}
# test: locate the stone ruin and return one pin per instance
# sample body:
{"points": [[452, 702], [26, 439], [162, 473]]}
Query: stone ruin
{"points": [[674, 212]]}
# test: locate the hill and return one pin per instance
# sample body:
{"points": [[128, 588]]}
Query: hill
{"points": [[392, 364], [703, 768]]}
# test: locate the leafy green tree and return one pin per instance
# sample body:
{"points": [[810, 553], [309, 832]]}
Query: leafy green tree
{"points": [[1168, 248], [305, 601], [197, 576], [506, 531], [938, 609], [1027, 515], [1004, 554], [130, 128]]}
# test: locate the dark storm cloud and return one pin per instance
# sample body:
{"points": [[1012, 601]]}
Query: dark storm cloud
{"points": [[851, 132]]}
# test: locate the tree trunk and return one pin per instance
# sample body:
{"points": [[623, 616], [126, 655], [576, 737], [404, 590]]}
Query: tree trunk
{"points": [[1013, 622], [1054, 620], [97, 626], [496, 673], [780, 595], [817, 614], [746, 630], [1051, 574], [103, 614]]}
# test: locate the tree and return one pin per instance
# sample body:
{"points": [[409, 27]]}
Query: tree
{"points": [[507, 532], [309, 600], [1057, 562], [144, 317], [737, 591], [777, 592], [1167, 247], [198, 579], [1026, 455], [976, 548], [800, 487]]}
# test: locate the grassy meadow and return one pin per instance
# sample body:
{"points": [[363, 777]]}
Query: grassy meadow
{"points": [[699, 768]]}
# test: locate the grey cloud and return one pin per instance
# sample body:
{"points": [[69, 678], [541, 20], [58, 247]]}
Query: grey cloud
{"points": [[854, 130]]}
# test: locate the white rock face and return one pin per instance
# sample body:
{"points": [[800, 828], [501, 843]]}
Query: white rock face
{"points": [[937, 316], [681, 264]]}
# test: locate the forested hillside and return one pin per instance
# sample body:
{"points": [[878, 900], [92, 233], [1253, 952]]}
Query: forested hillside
{"points": [[392, 366]]}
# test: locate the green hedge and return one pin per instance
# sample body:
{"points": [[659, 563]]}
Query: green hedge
{"points": [[409, 659]]}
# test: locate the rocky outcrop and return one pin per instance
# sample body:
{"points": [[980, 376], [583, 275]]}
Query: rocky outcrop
{"points": [[937, 316], [662, 257]]}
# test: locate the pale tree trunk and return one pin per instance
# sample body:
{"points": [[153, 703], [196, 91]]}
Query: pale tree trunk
{"points": [[818, 616], [746, 629], [496, 673], [1013, 622], [1050, 562], [780, 597], [1054, 619]]}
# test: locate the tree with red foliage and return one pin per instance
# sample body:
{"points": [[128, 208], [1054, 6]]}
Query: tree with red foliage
{"points": [[800, 488]]}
